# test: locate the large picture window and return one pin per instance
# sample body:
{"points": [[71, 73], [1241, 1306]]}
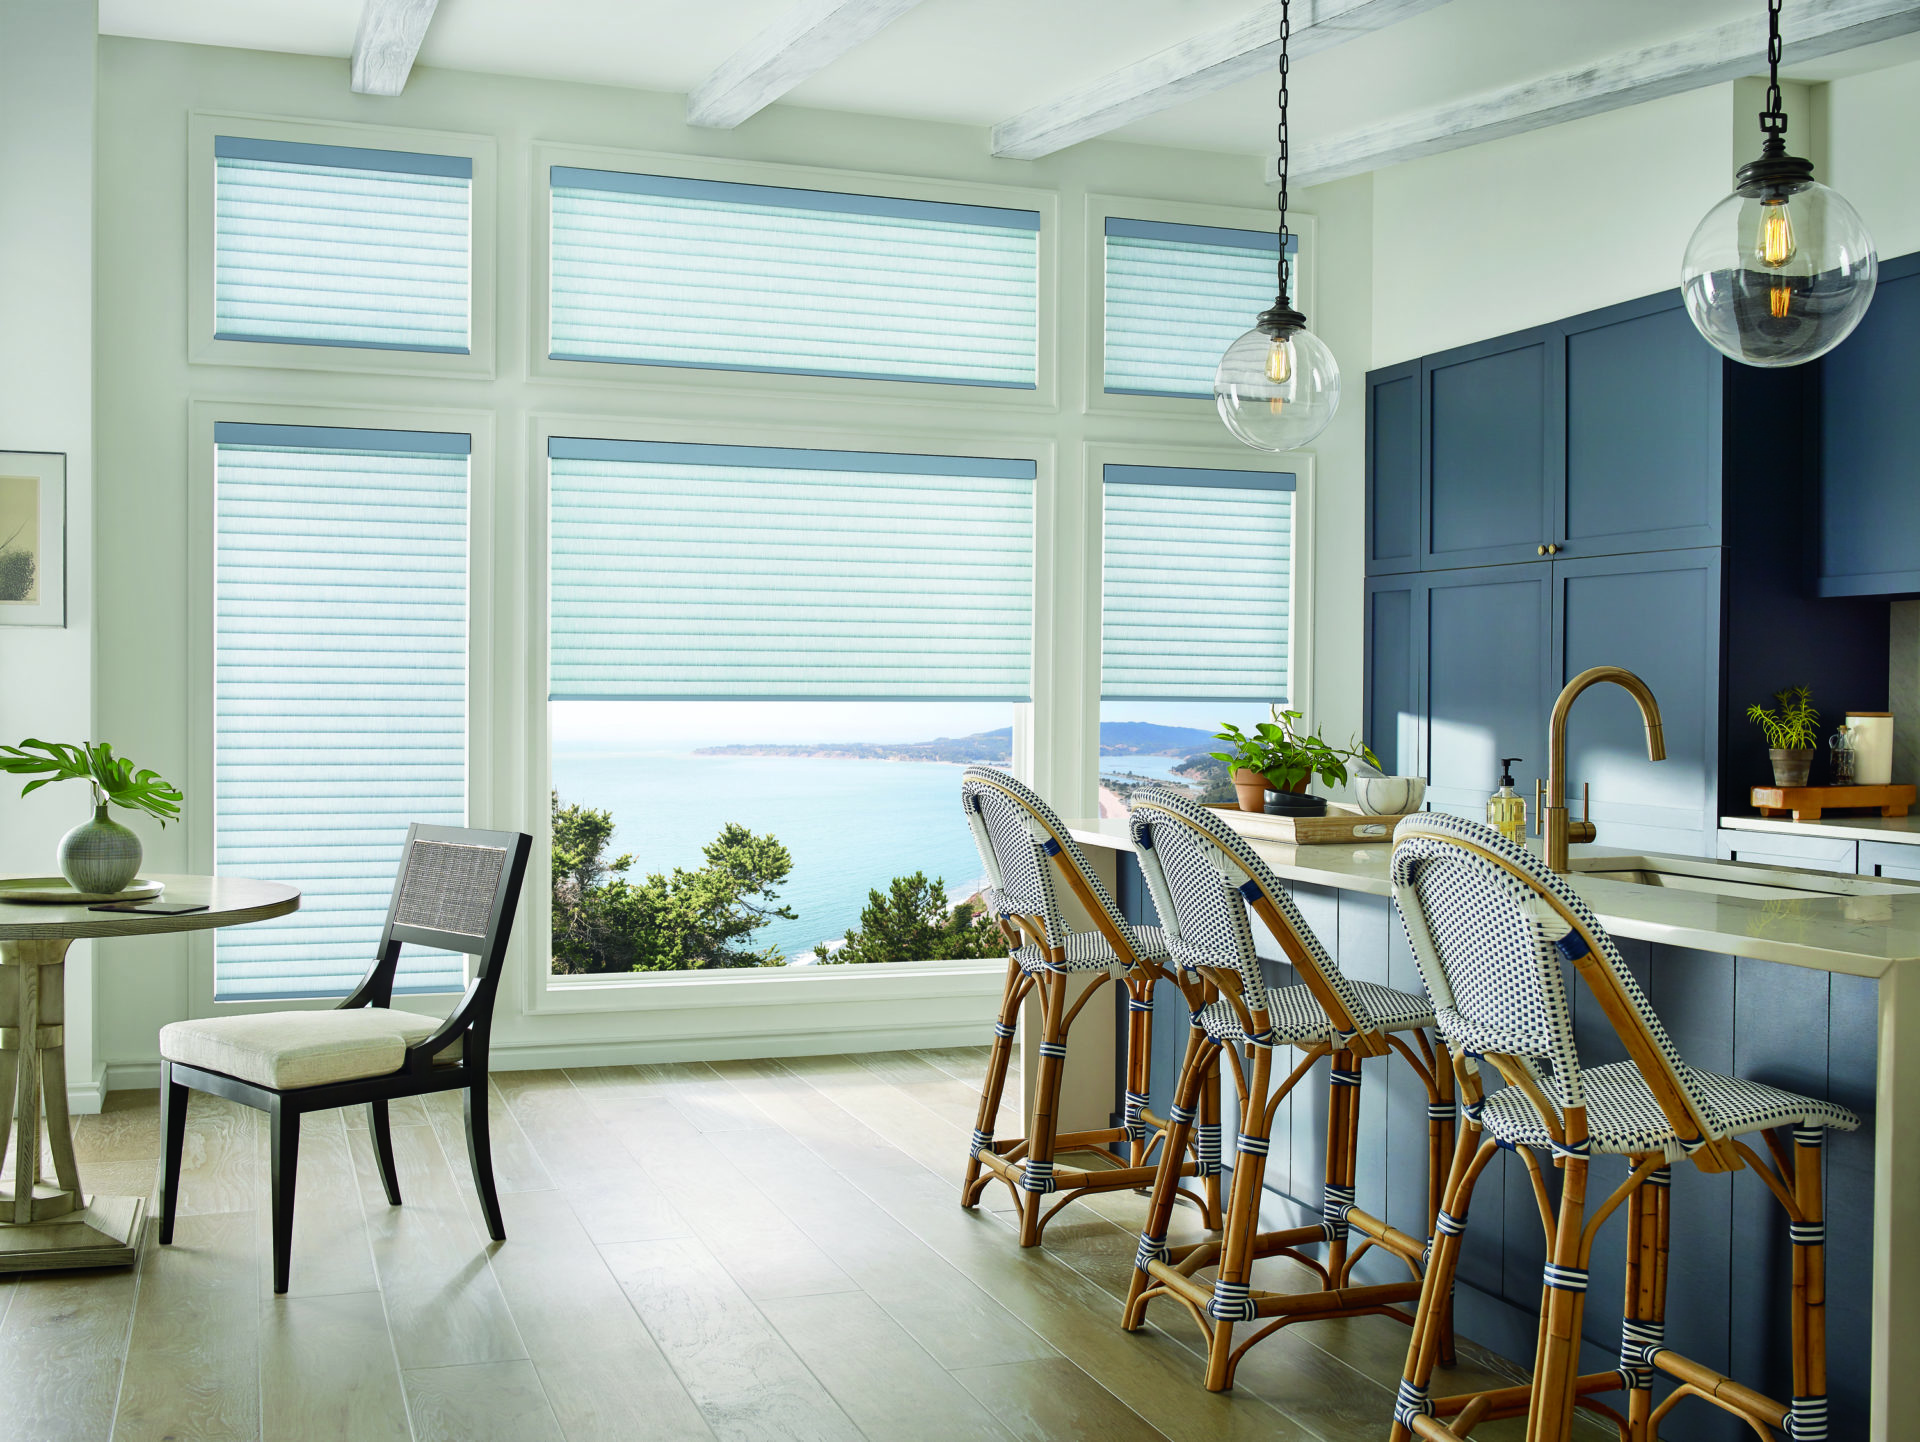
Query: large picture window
{"points": [[340, 688]]}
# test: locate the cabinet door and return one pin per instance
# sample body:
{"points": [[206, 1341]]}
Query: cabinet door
{"points": [[1485, 672], [1393, 708], [1393, 469], [1658, 615], [1643, 411], [1870, 446], [1490, 472], [1899, 860], [1812, 852]]}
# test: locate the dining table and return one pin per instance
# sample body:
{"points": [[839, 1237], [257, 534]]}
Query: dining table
{"points": [[47, 1223]]}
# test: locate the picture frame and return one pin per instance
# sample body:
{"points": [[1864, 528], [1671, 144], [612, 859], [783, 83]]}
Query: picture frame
{"points": [[33, 538]]}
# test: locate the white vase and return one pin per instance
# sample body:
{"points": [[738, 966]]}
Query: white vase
{"points": [[100, 857]]}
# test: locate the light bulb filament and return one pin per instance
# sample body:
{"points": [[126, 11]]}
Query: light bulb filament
{"points": [[1280, 360], [1777, 300], [1776, 246]]}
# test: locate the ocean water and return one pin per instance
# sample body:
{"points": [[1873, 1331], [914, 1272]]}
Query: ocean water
{"points": [[852, 826]]}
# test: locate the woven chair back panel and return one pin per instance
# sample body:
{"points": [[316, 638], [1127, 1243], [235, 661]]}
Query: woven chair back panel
{"points": [[1026, 881], [450, 887], [1201, 910]]}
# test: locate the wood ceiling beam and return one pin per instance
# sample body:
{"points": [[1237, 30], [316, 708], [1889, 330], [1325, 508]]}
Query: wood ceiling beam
{"points": [[1809, 29], [384, 46], [798, 45], [1191, 69]]}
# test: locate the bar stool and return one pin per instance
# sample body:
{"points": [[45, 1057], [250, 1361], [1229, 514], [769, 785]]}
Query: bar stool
{"points": [[1023, 844], [1492, 930], [1204, 878]]}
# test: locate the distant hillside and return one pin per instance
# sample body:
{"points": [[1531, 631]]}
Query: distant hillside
{"points": [[1117, 738], [1148, 738]]}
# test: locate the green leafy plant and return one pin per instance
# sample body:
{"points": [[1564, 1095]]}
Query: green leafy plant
{"points": [[113, 779], [1286, 755], [1794, 725]]}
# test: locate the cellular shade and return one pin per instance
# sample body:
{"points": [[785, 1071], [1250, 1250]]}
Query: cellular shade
{"points": [[340, 691], [737, 572], [659, 270], [1177, 297], [330, 245], [1197, 584]]}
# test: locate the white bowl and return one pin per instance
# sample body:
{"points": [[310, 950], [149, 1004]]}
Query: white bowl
{"points": [[1389, 795]]}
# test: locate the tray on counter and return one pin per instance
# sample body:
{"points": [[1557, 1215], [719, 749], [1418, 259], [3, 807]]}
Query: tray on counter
{"points": [[1343, 823], [1805, 803]]}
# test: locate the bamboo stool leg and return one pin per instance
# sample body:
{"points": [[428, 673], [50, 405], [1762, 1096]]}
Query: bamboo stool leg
{"points": [[1140, 990], [1442, 1123], [1470, 1158], [1231, 1301], [972, 1183], [1343, 1145], [1550, 1410], [1036, 1177], [1809, 1410], [1210, 1118], [1643, 1313], [1195, 1067]]}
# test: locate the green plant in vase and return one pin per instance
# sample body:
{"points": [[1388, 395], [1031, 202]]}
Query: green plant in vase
{"points": [[98, 857], [1279, 755], [1792, 729]]}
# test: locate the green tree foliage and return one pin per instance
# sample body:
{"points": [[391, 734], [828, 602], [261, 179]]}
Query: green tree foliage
{"points": [[684, 921], [911, 921]]}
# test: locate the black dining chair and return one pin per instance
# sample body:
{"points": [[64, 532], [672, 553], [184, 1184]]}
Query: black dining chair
{"points": [[457, 890]]}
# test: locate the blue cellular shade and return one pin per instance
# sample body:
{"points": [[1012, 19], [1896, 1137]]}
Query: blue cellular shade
{"points": [[662, 270], [1196, 584], [328, 245], [1177, 297], [690, 572], [340, 695]]}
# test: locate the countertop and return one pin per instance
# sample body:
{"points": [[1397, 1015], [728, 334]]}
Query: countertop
{"points": [[1862, 927], [1905, 829]]}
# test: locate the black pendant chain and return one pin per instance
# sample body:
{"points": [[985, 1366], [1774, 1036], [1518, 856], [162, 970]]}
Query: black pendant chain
{"points": [[1286, 31], [1773, 120]]}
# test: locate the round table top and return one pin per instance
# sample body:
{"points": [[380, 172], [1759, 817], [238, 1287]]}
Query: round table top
{"points": [[230, 901]]}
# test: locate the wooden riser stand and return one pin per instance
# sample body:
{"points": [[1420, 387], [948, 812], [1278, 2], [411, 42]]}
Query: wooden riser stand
{"points": [[1805, 803]]}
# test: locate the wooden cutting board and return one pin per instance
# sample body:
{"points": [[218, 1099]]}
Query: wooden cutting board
{"points": [[1342, 824], [1805, 803]]}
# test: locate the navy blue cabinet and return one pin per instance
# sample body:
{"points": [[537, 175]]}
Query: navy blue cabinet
{"points": [[1484, 669], [1489, 463], [1870, 446], [1395, 702], [1393, 468]]}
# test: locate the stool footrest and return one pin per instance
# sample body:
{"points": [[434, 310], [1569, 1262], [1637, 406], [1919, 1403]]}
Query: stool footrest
{"points": [[1722, 1390], [1385, 1235], [1505, 1402], [1280, 1304]]}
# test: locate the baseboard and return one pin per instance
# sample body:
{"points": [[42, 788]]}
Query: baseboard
{"points": [[86, 1099], [131, 1076]]}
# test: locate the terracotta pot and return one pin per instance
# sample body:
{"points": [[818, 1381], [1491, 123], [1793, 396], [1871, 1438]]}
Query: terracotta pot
{"points": [[1790, 767], [1252, 788]]}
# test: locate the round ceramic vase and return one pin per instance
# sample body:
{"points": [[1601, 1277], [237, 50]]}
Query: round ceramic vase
{"points": [[100, 856]]}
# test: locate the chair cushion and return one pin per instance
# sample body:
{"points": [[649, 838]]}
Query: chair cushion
{"points": [[287, 1050], [1090, 951], [1297, 1019]]}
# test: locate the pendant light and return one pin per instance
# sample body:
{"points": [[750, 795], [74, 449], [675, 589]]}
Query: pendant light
{"points": [[1781, 271], [1278, 386]]}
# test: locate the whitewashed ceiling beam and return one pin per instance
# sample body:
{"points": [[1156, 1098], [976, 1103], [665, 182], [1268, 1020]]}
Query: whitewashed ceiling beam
{"points": [[1193, 68], [798, 45], [1809, 30], [384, 46]]}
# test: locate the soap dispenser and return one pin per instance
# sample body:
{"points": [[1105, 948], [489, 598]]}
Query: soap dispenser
{"points": [[1506, 808]]}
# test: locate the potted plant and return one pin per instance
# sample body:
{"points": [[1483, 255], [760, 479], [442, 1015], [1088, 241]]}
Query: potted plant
{"points": [[1278, 755], [98, 857], [1792, 728]]}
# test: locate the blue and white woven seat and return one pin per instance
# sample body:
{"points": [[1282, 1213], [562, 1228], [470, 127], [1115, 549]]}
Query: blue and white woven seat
{"points": [[1090, 951], [1296, 1019], [1498, 939]]}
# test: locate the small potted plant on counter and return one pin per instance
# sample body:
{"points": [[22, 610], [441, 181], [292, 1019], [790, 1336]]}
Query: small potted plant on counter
{"points": [[1278, 756], [1792, 727]]}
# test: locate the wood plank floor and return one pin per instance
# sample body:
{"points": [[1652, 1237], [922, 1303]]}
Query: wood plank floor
{"points": [[738, 1251]]}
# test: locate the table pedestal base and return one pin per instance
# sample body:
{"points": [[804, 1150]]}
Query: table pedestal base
{"points": [[105, 1232]]}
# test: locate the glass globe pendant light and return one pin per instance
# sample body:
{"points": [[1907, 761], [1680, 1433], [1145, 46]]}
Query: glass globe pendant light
{"points": [[1781, 271], [1278, 386]]}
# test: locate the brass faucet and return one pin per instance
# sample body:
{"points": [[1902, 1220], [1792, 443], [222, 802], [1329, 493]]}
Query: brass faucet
{"points": [[1560, 831]]}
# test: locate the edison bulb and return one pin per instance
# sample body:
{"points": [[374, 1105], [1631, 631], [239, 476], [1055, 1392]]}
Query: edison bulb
{"points": [[1276, 393], [1781, 277]]}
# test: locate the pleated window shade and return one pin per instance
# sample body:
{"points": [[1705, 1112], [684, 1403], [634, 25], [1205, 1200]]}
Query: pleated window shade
{"points": [[739, 573], [660, 270], [1177, 297], [332, 245], [1197, 584], [340, 691]]}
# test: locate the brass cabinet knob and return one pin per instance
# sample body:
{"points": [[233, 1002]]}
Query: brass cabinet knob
{"points": [[1540, 550], [1553, 550]]}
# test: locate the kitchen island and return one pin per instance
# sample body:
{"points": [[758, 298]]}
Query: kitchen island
{"points": [[1807, 980]]}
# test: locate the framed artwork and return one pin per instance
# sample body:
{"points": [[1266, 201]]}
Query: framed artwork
{"points": [[33, 538]]}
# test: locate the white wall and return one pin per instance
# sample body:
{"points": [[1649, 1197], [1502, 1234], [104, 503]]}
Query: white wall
{"points": [[46, 404]]}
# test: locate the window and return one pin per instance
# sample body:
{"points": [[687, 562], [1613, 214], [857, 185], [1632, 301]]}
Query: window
{"points": [[766, 667], [339, 246], [1177, 297], [661, 270], [340, 691], [1195, 619]]}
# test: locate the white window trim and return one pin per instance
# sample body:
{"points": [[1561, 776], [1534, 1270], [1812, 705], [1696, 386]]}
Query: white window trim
{"points": [[1097, 400], [205, 349], [695, 381], [523, 636], [485, 602], [1301, 464]]}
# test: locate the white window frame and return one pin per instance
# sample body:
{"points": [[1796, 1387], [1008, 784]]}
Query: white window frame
{"points": [[701, 382], [204, 347], [1097, 400], [485, 601]]}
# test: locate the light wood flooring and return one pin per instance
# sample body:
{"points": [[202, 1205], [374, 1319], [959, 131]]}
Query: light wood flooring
{"points": [[738, 1251]]}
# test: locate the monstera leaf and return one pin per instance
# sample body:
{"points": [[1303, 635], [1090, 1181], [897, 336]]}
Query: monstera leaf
{"points": [[113, 778]]}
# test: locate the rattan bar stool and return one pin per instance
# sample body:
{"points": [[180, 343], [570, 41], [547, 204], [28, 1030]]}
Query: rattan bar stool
{"points": [[1023, 845], [1204, 878], [1493, 932]]}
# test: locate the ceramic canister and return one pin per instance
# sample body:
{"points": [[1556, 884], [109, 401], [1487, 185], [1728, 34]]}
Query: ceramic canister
{"points": [[1872, 746]]}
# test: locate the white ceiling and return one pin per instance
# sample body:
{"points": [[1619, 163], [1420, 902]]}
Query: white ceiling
{"points": [[976, 62]]}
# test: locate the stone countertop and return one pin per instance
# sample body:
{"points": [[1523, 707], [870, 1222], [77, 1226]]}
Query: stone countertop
{"points": [[1902, 829], [1857, 926]]}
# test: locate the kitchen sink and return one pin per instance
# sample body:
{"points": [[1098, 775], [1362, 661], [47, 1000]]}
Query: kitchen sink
{"points": [[1733, 878]]}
